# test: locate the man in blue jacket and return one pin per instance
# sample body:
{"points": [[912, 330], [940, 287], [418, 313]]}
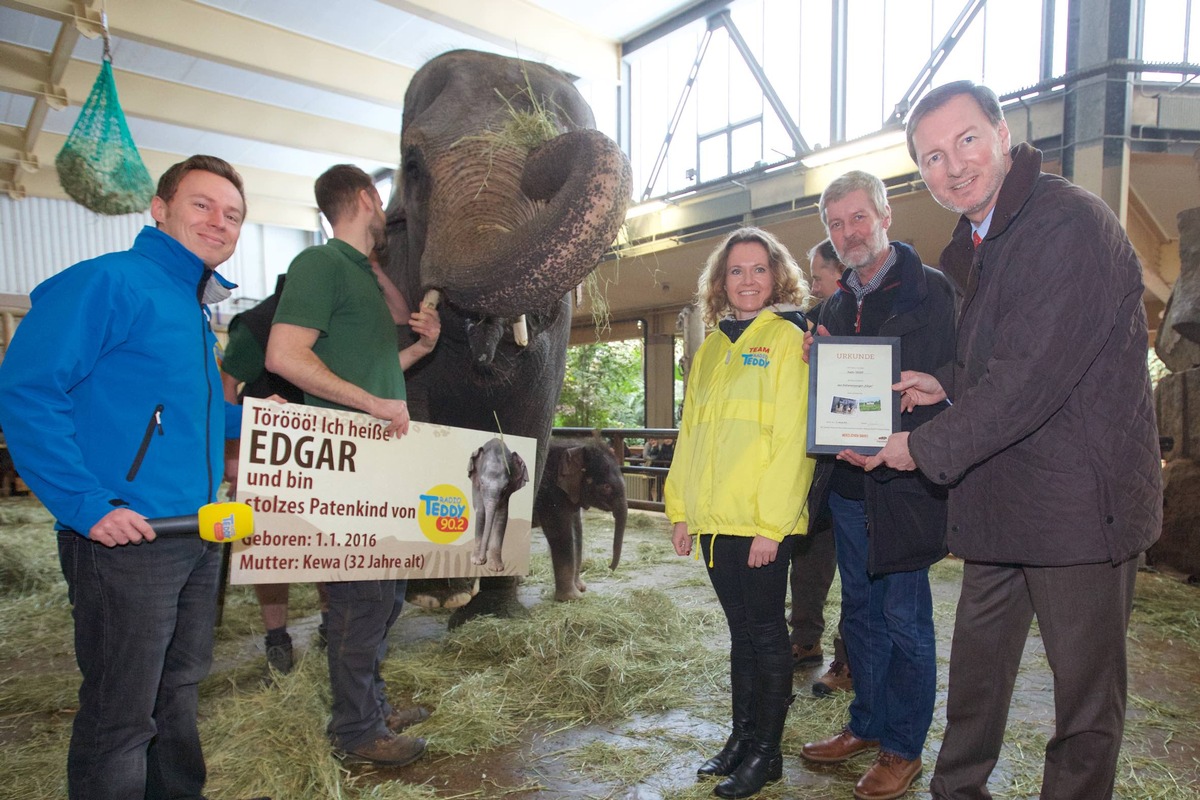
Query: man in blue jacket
{"points": [[889, 526], [111, 402]]}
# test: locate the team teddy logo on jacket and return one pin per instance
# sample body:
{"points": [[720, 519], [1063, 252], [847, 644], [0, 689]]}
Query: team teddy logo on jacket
{"points": [[757, 357]]}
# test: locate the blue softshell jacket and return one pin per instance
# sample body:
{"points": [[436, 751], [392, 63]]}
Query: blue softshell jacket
{"points": [[110, 393]]}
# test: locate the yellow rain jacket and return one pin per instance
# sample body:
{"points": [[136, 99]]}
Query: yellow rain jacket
{"points": [[740, 464]]}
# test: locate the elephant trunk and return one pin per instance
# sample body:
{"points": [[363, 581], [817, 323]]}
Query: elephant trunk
{"points": [[578, 185], [620, 513]]}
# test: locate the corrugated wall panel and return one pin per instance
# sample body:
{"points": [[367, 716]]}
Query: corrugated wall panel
{"points": [[40, 237]]}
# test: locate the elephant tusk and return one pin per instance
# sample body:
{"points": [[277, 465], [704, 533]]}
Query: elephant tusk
{"points": [[431, 299], [521, 331]]}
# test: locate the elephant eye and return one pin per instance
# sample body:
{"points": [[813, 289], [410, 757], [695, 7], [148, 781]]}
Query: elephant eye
{"points": [[412, 165]]}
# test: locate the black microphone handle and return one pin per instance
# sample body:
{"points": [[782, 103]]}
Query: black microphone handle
{"points": [[187, 525]]}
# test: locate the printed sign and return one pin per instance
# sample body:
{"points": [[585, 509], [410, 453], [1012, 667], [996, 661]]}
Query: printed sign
{"points": [[335, 498], [851, 405]]}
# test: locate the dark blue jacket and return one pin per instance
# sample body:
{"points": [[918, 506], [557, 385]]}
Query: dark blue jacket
{"points": [[110, 394], [906, 512]]}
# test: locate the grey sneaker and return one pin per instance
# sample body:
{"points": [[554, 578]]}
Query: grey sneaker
{"points": [[279, 658], [387, 751]]}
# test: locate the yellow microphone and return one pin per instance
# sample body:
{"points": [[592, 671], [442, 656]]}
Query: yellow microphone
{"points": [[215, 522]]}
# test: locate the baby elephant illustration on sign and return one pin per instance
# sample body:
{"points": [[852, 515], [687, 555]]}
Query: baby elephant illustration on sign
{"points": [[496, 473]]}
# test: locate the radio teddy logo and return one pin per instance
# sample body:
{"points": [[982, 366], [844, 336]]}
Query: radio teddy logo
{"points": [[757, 357], [443, 514]]}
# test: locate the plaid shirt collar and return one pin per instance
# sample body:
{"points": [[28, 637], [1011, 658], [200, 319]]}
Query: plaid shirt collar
{"points": [[860, 291]]}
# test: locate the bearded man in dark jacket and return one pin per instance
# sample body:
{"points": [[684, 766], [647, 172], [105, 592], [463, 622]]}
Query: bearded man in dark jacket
{"points": [[1050, 449], [889, 526]]}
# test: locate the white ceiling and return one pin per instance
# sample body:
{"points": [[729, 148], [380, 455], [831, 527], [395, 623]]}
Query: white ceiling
{"points": [[281, 88]]}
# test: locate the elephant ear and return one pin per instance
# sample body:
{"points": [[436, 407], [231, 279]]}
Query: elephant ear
{"points": [[518, 475], [570, 473], [471, 464]]}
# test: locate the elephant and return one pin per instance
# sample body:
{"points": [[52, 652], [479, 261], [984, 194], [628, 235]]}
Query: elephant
{"points": [[496, 473], [504, 231], [579, 474]]}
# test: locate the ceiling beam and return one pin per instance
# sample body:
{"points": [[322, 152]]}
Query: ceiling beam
{"points": [[185, 26], [189, 107], [533, 31], [272, 198]]}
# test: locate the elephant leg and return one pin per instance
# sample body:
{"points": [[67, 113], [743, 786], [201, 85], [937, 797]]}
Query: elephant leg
{"points": [[577, 549], [497, 597], [560, 535], [483, 517], [495, 537]]}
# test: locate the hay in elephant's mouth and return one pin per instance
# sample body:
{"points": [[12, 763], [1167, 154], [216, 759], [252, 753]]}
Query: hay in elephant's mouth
{"points": [[522, 129], [528, 129]]}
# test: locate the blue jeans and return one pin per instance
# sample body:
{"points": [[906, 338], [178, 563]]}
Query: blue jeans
{"points": [[887, 622], [360, 615], [144, 617]]}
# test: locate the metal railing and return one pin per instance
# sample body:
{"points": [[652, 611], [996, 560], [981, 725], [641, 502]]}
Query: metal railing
{"points": [[631, 464]]}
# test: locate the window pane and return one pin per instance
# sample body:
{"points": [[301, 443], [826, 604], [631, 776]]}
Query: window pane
{"points": [[816, 45], [864, 67], [714, 157], [712, 85], [746, 146], [1163, 35]]}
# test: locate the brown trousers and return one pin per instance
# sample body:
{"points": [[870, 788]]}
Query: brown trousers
{"points": [[814, 561], [1082, 612]]}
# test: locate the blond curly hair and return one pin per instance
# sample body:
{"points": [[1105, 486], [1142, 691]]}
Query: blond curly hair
{"points": [[789, 287]]}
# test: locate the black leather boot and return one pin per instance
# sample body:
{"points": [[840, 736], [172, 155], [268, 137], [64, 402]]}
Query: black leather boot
{"points": [[764, 762], [741, 680]]}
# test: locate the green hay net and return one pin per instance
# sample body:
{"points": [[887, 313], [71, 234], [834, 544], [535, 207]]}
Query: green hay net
{"points": [[99, 165]]}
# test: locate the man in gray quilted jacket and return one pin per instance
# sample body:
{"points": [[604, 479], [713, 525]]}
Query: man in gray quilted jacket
{"points": [[1050, 448]]}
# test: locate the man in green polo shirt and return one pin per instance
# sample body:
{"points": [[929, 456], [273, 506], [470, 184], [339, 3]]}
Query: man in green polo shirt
{"points": [[334, 336]]}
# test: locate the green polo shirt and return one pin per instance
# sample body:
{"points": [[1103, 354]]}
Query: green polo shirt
{"points": [[244, 358], [331, 289]]}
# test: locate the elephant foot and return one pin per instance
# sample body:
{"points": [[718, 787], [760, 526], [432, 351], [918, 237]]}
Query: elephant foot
{"points": [[425, 601], [477, 560], [570, 593], [497, 597], [495, 565], [432, 593], [580, 585], [459, 600]]}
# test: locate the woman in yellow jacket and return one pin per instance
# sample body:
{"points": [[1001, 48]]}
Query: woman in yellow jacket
{"points": [[739, 480]]}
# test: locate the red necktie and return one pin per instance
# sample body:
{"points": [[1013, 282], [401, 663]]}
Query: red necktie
{"points": [[975, 238]]}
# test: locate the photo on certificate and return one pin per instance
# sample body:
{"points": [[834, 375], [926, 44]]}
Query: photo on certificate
{"points": [[851, 404]]}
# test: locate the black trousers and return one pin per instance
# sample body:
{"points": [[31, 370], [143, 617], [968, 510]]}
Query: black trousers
{"points": [[752, 599]]}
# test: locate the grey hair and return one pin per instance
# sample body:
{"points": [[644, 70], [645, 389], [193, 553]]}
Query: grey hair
{"points": [[854, 181]]}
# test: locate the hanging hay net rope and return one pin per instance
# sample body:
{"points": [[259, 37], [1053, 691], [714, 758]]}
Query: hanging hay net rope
{"points": [[99, 165]]}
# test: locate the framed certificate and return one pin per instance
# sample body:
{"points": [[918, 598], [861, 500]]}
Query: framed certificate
{"points": [[851, 404]]}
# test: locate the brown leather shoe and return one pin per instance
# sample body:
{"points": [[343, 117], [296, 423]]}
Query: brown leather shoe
{"points": [[806, 655], [835, 679], [400, 719], [387, 751], [839, 748], [888, 778]]}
